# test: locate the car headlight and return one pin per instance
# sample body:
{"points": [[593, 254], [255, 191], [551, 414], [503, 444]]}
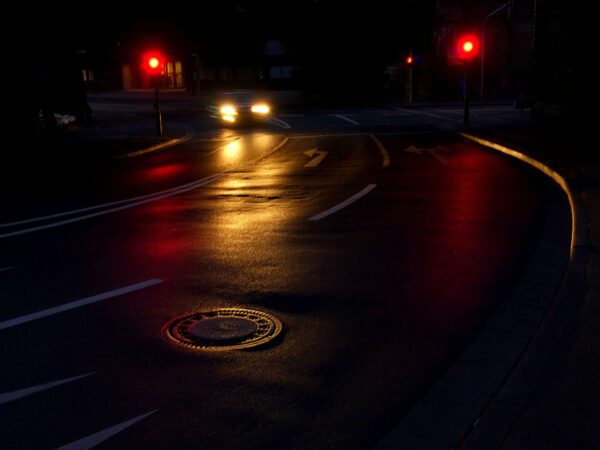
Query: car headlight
{"points": [[261, 108], [228, 110]]}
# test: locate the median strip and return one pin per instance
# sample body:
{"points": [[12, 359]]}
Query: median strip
{"points": [[157, 147]]}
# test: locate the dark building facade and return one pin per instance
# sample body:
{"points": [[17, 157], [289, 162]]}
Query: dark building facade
{"points": [[505, 30]]}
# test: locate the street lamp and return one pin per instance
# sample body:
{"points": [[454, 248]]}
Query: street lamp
{"points": [[496, 11]]}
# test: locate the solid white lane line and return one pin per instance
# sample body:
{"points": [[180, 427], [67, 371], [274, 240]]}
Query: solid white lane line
{"points": [[345, 203], [456, 112], [129, 203], [159, 195], [195, 185], [382, 149], [5, 269], [346, 134], [95, 439], [25, 392], [218, 149], [423, 113], [280, 123], [332, 134], [77, 304], [103, 205], [347, 119]]}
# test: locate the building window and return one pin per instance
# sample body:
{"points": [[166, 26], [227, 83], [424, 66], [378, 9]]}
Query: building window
{"points": [[173, 75], [281, 72], [88, 75]]}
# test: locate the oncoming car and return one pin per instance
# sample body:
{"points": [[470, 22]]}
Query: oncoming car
{"points": [[237, 107]]}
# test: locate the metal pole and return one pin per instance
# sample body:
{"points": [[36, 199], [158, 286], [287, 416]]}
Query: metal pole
{"points": [[159, 121], [466, 115], [496, 11], [410, 84], [534, 26], [410, 78]]}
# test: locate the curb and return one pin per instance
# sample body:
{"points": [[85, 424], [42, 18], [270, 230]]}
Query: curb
{"points": [[162, 146], [475, 403], [580, 241]]}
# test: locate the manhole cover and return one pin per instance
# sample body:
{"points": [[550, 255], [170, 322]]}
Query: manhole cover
{"points": [[223, 329]]}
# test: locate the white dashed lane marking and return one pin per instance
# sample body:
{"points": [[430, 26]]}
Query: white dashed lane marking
{"points": [[345, 203], [77, 304], [95, 439], [26, 392]]}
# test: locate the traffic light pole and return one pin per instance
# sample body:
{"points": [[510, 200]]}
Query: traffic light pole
{"points": [[466, 114], [410, 60], [159, 121], [410, 84]]}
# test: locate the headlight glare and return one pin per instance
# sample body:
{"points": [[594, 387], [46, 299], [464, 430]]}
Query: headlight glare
{"points": [[261, 108], [228, 110]]}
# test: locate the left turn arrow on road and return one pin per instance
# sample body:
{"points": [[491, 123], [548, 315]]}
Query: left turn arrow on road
{"points": [[316, 155]]}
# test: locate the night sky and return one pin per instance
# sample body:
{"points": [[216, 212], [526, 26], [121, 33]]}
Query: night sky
{"points": [[311, 28]]}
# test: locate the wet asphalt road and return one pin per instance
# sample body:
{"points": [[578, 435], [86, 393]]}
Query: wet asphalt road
{"points": [[376, 298]]}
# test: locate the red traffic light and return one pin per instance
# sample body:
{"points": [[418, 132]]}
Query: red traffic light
{"points": [[468, 47], [410, 60], [153, 63]]}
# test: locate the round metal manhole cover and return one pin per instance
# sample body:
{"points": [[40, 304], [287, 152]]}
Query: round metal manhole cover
{"points": [[223, 329]]}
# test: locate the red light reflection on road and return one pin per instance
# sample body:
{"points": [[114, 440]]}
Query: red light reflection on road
{"points": [[162, 172], [479, 232]]}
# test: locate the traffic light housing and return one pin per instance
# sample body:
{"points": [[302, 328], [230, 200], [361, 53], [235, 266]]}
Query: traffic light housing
{"points": [[153, 63], [468, 47]]}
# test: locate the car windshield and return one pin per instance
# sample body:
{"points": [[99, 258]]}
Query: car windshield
{"points": [[240, 97]]}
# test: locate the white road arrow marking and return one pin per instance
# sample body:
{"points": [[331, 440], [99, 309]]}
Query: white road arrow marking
{"points": [[25, 392], [435, 152], [97, 438], [315, 161]]}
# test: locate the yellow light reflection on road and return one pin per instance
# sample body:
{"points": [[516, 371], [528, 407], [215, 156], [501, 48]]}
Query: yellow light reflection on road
{"points": [[248, 148], [232, 151]]}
